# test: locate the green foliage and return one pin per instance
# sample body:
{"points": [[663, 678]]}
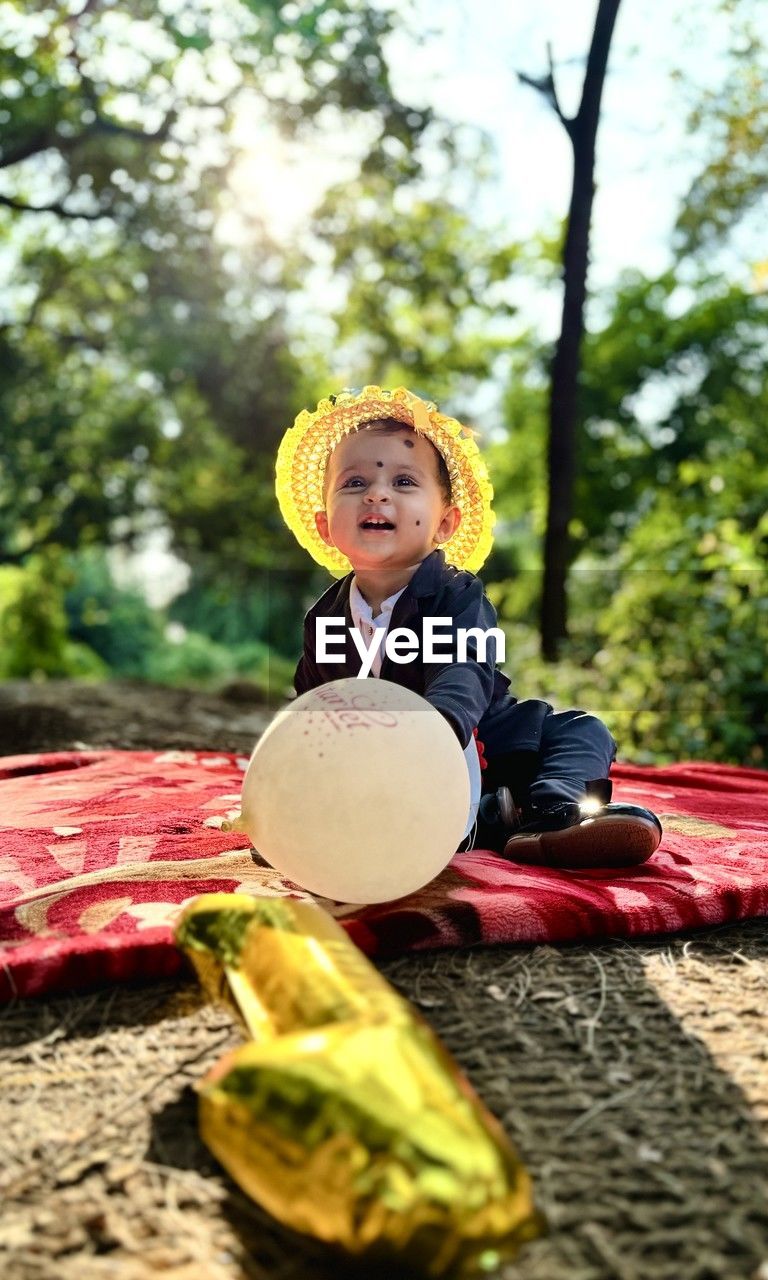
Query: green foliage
{"points": [[685, 661], [235, 608], [687, 630], [676, 376], [668, 587], [34, 636], [339, 50], [517, 462], [733, 119], [109, 91], [669, 639], [214, 637], [695, 690], [147, 370], [428, 290], [116, 624], [197, 660]]}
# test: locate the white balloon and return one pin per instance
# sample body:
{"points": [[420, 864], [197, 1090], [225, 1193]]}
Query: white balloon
{"points": [[358, 791]]}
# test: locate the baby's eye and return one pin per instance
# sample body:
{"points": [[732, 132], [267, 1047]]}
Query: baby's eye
{"points": [[407, 480], [353, 482]]}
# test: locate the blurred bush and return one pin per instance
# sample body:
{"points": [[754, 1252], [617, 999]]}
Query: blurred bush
{"points": [[196, 659], [65, 617], [35, 640], [116, 624], [671, 655]]}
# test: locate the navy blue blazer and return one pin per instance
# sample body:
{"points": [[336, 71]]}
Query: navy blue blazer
{"points": [[470, 694]]}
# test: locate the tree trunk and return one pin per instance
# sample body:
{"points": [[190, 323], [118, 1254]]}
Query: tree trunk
{"points": [[563, 403]]}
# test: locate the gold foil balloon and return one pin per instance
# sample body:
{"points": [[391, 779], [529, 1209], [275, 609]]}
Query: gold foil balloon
{"points": [[357, 791], [344, 1116]]}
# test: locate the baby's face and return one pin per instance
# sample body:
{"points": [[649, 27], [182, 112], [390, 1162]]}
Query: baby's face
{"points": [[384, 507]]}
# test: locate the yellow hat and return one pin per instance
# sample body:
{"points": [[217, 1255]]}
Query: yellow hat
{"points": [[307, 445]]}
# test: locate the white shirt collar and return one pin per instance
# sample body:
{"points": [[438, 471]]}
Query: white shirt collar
{"points": [[362, 611]]}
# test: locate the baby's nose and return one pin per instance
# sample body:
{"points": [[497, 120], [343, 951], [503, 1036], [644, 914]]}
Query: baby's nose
{"points": [[377, 491]]}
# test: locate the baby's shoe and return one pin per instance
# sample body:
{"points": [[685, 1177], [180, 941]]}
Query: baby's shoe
{"points": [[572, 835], [496, 818]]}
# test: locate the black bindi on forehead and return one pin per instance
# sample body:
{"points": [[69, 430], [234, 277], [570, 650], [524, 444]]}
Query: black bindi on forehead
{"points": [[379, 464], [408, 443]]}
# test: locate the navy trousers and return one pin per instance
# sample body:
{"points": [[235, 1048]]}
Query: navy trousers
{"points": [[545, 756]]}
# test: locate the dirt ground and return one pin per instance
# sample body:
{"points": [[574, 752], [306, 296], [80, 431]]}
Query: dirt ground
{"points": [[632, 1078]]}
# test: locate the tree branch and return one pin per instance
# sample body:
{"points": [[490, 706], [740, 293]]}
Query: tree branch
{"points": [[547, 87], [102, 125], [36, 142], [43, 139], [565, 122], [57, 207]]}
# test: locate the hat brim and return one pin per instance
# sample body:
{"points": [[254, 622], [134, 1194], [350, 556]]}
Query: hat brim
{"points": [[306, 447]]}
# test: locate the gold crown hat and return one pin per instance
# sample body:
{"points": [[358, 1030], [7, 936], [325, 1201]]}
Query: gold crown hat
{"points": [[306, 447]]}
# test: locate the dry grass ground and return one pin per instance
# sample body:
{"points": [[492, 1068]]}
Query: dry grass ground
{"points": [[633, 1079]]}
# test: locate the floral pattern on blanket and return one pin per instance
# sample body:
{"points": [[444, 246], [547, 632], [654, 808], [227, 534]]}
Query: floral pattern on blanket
{"points": [[100, 850]]}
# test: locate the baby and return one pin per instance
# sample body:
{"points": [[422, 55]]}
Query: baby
{"points": [[380, 483]]}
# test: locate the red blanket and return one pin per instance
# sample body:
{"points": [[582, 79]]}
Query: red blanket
{"points": [[99, 849]]}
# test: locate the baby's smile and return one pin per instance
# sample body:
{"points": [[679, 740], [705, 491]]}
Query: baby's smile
{"points": [[376, 524]]}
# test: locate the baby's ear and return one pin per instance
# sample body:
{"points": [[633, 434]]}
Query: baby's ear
{"points": [[321, 524], [449, 524]]}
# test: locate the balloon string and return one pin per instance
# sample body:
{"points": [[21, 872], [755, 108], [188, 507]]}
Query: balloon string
{"points": [[472, 837]]}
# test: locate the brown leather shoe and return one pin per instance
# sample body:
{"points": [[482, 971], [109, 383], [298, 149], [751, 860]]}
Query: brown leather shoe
{"points": [[574, 837]]}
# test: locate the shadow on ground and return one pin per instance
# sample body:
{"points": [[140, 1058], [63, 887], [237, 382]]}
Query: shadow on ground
{"points": [[631, 1078]]}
